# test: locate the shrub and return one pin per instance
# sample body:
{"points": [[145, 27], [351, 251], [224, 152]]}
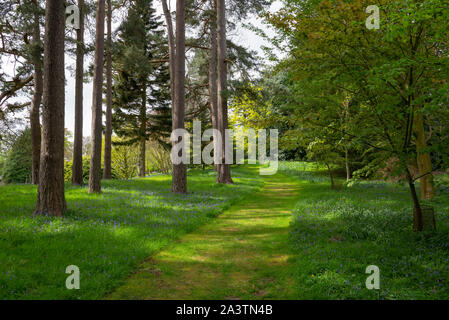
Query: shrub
{"points": [[158, 158], [17, 167], [2, 166], [125, 160], [68, 165]]}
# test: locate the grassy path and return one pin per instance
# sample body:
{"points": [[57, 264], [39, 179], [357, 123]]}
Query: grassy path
{"points": [[242, 254]]}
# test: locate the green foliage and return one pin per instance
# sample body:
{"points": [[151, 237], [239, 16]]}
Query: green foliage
{"points": [[124, 160], [158, 158], [141, 88], [321, 151], [17, 166], [358, 88], [442, 182], [68, 166], [2, 165]]}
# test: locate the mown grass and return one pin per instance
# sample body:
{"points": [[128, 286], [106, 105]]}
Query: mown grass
{"points": [[105, 235], [242, 254], [336, 234]]}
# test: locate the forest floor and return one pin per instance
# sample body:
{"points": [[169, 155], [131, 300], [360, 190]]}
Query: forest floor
{"points": [[298, 239], [242, 254], [108, 235], [286, 236]]}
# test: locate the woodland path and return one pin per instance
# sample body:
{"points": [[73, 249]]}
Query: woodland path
{"points": [[241, 254]]}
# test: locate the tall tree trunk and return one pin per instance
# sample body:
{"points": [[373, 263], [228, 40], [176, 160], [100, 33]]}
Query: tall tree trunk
{"points": [[331, 176], [77, 168], [107, 173], [213, 77], [142, 151], [143, 129], [423, 160], [179, 172], [36, 102], [224, 170], [50, 194], [171, 49], [95, 160]]}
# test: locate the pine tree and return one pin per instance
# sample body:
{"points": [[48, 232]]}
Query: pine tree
{"points": [[141, 93]]}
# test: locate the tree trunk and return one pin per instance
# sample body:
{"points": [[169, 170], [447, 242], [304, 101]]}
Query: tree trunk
{"points": [[331, 176], [171, 49], [224, 170], [77, 168], [95, 160], [179, 173], [50, 194], [36, 102], [143, 129], [142, 150], [417, 212], [423, 160], [348, 169], [107, 173], [213, 77]]}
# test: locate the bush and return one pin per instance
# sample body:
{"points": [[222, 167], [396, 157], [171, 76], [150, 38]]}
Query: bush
{"points": [[2, 166], [17, 167], [125, 160], [68, 165], [442, 182], [158, 158]]}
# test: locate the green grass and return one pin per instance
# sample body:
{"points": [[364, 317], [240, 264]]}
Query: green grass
{"points": [[107, 236], [293, 238], [335, 235], [242, 254]]}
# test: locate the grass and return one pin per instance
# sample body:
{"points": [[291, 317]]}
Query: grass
{"points": [[335, 235], [242, 254], [107, 236], [293, 238]]}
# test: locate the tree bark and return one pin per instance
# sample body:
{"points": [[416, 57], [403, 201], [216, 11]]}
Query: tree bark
{"points": [[179, 172], [77, 165], [107, 169], [348, 168], [417, 212], [171, 49], [95, 160], [213, 77], [50, 194], [35, 125], [423, 160], [331, 176], [143, 129], [224, 170]]}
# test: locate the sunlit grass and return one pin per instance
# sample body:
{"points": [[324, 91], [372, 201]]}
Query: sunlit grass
{"points": [[243, 254]]}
